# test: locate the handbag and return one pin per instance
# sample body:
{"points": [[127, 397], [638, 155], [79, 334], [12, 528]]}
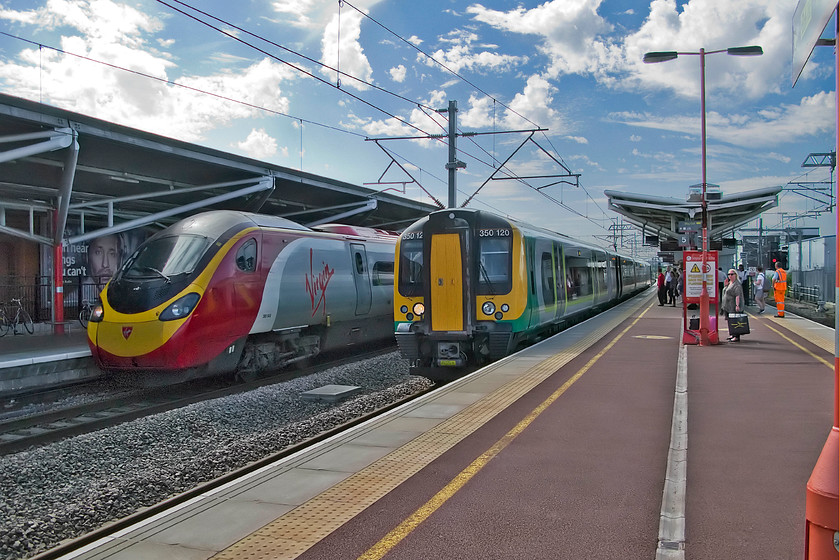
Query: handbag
{"points": [[739, 323]]}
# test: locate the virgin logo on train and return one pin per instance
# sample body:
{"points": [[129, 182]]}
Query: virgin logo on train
{"points": [[316, 285], [127, 332]]}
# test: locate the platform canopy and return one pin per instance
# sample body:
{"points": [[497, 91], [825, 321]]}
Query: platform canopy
{"points": [[659, 215], [112, 178]]}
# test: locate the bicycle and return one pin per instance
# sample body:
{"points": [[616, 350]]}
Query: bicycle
{"points": [[21, 318], [84, 314]]}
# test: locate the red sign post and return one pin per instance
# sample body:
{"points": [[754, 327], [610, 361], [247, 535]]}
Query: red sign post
{"points": [[700, 272]]}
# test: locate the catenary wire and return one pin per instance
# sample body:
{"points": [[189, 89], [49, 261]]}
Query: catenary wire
{"points": [[180, 85]]}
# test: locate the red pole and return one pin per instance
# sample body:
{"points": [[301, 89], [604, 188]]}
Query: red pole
{"points": [[58, 283], [821, 492]]}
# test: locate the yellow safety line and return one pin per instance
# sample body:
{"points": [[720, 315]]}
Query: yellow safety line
{"points": [[405, 528], [778, 332]]}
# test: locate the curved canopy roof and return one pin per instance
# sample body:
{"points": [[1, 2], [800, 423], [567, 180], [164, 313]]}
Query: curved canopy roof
{"points": [[662, 215], [113, 178]]}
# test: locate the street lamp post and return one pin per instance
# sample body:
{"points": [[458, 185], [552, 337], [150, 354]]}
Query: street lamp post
{"points": [[662, 56]]}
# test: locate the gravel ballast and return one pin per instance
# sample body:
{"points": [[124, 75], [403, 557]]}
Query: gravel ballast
{"points": [[69, 488]]}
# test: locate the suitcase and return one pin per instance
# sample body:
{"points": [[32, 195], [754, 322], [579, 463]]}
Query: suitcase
{"points": [[739, 323]]}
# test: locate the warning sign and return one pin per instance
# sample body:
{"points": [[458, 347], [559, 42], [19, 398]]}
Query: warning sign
{"points": [[696, 271]]}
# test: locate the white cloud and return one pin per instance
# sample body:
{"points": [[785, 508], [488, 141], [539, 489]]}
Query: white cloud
{"points": [[258, 145], [299, 10], [771, 127], [535, 104], [570, 30], [117, 34], [462, 55], [712, 25], [342, 50], [398, 73]]}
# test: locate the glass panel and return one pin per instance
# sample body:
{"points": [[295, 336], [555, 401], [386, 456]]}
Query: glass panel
{"points": [[411, 267], [494, 265], [383, 273], [246, 257], [166, 256], [547, 278]]}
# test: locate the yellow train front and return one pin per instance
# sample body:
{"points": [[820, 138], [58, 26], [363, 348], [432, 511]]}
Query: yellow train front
{"points": [[472, 287]]}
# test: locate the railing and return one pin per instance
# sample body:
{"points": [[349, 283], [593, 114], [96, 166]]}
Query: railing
{"points": [[35, 294], [810, 294]]}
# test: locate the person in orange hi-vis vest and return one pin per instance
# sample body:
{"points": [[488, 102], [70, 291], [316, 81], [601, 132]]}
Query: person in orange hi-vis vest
{"points": [[779, 289]]}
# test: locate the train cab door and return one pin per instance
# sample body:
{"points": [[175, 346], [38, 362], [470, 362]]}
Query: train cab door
{"points": [[446, 290], [361, 277]]}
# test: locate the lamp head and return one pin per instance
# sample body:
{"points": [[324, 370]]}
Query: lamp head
{"points": [[745, 51], [660, 56]]}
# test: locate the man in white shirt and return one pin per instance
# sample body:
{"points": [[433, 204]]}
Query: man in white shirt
{"points": [[758, 286]]}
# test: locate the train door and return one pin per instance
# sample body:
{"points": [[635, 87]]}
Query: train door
{"points": [[546, 288], [560, 280], [361, 277], [447, 283]]}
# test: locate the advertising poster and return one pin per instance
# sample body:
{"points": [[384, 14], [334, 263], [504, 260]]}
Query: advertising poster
{"points": [[89, 265]]}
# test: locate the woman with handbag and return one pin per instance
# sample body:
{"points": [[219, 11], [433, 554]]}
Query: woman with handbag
{"points": [[733, 299]]}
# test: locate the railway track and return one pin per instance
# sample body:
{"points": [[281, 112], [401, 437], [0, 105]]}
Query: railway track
{"points": [[68, 546], [51, 426]]}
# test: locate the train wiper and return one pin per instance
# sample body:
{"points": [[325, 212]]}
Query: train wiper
{"points": [[486, 278], [159, 273]]}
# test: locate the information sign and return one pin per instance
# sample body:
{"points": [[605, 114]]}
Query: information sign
{"points": [[695, 271], [809, 19]]}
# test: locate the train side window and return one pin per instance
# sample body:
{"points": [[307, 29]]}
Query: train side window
{"points": [[547, 266], [579, 280], [246, 256], [383, 273]]}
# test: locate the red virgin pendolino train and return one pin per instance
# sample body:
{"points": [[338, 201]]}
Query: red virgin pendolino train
{"points": [[227, 291]]}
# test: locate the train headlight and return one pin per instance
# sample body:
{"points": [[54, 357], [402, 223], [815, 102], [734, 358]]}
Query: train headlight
{"points": [[180, 308], [488, 308], [97, 313], [418, 309]]}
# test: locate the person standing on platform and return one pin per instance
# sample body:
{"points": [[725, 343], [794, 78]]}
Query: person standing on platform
{"points": [[673, 292], [744, 279], [660, 287], [669, 277], [733, 298], [721, 280], [758, 286], [779, 289]]}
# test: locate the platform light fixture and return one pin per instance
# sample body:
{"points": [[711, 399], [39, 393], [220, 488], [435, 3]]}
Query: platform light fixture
{"points": [[664, 56]]}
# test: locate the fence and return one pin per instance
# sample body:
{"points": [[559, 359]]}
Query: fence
{"points": [[811, 294], [35, 294]]}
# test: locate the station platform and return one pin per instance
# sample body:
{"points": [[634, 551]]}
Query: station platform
{"points": [[30, 361], [609, 440]]}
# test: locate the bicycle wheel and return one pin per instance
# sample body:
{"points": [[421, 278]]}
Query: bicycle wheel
{"points": [[4, 324], [25, 320], [84, 316]]}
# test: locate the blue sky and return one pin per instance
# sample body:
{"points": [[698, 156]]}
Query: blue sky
{"points": [[573, 67]]}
